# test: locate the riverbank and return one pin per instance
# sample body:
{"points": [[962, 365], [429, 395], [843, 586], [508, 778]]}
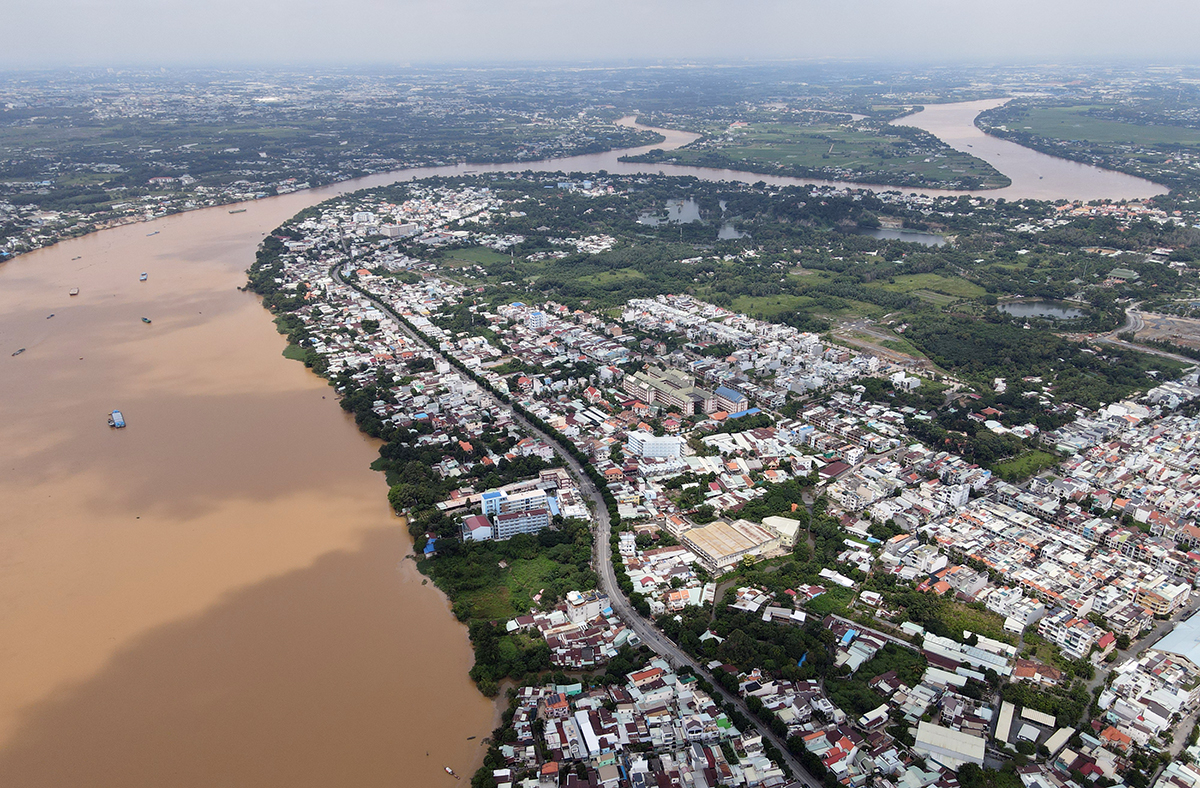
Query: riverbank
{"points": [[218, 589], [486, 583]]}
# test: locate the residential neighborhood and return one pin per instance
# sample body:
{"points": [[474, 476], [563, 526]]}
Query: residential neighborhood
{"points": [[723, 441]]}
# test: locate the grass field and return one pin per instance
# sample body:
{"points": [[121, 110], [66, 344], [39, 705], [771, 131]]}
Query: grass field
{"points": [[899, 345], [522, 580], [933, 287], [294, 352], [1070, 123], [960, 617], [612, 277], [478, 254], [835, 600], [1024, 465], [770, 306]]}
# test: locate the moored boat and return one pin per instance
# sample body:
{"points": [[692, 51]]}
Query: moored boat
{"points": [[115, 419], [238, 210]]}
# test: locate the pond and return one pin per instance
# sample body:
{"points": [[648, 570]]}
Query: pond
{"points": [[686, 211], [1053, 310], [911, 236], [681, 211]]}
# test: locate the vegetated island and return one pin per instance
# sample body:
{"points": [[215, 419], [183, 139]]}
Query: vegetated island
{"points": [[835, 148]]}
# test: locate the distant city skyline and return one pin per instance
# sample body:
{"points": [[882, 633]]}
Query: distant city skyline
{"points": [[364, 32]]}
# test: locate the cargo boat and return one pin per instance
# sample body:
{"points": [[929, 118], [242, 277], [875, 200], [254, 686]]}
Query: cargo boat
{"points": [[116, 420], [238, 210]]}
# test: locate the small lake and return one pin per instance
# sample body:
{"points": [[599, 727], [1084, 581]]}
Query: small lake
{"points": [[686, 211], [1053, 310], [680, 211], [911, 236]]}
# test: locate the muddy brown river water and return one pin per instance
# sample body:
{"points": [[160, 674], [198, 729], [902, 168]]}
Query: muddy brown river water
{"points": [[214, 595]]}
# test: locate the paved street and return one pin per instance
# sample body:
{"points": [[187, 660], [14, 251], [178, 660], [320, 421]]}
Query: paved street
{"points": [[602, 556]]}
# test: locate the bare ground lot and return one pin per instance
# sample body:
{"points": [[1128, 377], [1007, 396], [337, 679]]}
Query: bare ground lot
{"points": [[1181, 331]]}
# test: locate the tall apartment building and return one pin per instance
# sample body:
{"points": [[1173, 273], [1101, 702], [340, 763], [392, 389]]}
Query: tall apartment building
{"points": [[516, 513]]}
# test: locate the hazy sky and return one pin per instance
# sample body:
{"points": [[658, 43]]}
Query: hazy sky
{"points": [[215, 32]]}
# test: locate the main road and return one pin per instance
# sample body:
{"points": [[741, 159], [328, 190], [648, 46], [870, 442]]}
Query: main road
{"points": [[1134, 322], [602, 553]]}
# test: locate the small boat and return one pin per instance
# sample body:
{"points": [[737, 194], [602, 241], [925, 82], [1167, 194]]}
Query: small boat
{"points": [[73, 259], [145, 320], [73, 291], [143, 277], [238, 210], [470, 737], [450, 772], [153, 233], [116, 420], [49, 315], [18, 351]]}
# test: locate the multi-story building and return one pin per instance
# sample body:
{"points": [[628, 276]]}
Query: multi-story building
{"points": [[671, 388], [529, 521], [1160, 596], [500, 502], [516, 513], [1074, 636], [645, 444], [729, 400]]}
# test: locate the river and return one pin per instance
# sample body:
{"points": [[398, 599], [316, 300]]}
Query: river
{"points": [[216, 594], [1034, 174]]}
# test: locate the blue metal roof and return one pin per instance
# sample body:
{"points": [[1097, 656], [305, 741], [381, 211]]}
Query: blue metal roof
{"points": [[739, 414]]}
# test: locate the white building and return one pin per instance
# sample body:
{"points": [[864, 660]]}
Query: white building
{"points": [[644, 444], [785, 527], [516, 513], [584, 606], [524, 522], [499, 502]]}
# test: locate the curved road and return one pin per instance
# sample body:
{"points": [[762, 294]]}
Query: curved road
{"points": [[1135, 323], [602, 558]]}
